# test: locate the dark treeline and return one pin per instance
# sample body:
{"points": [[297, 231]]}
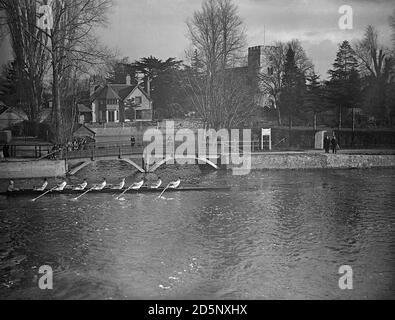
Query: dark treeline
{"points": [[360, 90]]}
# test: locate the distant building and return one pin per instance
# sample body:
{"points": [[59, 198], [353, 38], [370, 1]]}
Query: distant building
{"points": [[114, 136], [84, 114], [118, 103], [259, 63], [10, 116]]}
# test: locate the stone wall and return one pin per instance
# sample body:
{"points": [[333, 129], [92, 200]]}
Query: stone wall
{"points": [[291, 161], [32, 169]]}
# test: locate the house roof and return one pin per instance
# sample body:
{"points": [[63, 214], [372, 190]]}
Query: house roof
{"points": [[112, 132], [83, 109], [112, 91], [19, 113], [83, 130], [116, 91], [142, 91]]}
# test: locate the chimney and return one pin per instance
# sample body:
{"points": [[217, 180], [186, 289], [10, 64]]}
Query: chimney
{"points": [[149, 86], [128, 80], [92, 85]]}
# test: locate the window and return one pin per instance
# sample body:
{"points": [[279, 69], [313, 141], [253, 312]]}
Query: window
{"points": [[138, 100], [112, 101], [111, 116], [139, 115]]}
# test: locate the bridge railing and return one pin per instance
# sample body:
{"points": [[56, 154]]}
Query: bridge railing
{"points": [[39, 152], [128, 150], [28, 151]]}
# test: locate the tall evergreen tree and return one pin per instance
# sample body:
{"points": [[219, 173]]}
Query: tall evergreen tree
{"points": [[161, 82], [119, 70], [291, 96], [313, 97], [343, 88]]}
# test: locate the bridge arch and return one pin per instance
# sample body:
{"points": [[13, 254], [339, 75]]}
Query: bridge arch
{"points": [[169, 158], [86, 163]]}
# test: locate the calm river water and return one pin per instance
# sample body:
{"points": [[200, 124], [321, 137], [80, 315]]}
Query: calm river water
{"points": [[276, 235]]}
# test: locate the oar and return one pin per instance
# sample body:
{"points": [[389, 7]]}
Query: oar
{"points": [[164, 190], [81, 195], [126, 191], [45, 193]]}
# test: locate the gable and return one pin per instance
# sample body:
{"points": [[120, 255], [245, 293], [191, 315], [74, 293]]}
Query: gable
{"points": [[83, 109], [12, 114], [123, 90], [84, 131], [138, 92]]}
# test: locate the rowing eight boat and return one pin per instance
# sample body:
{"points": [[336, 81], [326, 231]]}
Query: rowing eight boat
{"points": [[70, 191]]}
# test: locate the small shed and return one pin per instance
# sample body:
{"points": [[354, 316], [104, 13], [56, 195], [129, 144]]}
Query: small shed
{"points": [[10, 116], [84, 132], [84, 114]]}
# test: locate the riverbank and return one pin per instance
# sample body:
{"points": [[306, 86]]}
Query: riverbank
{"points": [[28, 169], [353, 159], [318, 160]]}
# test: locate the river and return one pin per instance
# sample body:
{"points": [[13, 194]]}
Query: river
{"points": [[275, 235]]}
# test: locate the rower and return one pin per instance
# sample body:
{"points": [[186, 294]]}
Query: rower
{"points": [[82, 186], [11, 187], [43, 187], [137, 185], [157, 184], [61, 186], [100, 186], [121, 185], [175, 184]]}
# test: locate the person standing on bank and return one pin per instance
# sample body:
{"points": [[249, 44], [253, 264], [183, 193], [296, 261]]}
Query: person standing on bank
{"points": [[327, 144], [6, 150], [132, 141], [334, 145]]}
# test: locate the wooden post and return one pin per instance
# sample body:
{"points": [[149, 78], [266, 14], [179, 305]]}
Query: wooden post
{"points": [[353, 127], [340, 118]]}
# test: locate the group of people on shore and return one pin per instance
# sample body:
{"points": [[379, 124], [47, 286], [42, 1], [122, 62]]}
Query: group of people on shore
{"points": [[331, 144], [77, 144]]}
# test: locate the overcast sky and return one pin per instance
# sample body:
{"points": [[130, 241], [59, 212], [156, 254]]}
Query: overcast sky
{"points": [[140, 28]]}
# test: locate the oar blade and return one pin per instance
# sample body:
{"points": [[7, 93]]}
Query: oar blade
{"points": [[81, 195], [45, 193], [163, 192]]}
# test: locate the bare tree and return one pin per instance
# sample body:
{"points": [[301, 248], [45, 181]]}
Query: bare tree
{"points": [[29, 46], [217, 36], [375, 64], [230, 94], [392, 25], [69, 41], [73, 44], [372, 56]]}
